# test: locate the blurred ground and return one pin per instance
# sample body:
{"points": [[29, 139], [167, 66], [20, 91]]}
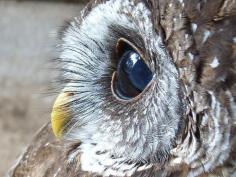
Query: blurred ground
{"points": [[26, 44]]}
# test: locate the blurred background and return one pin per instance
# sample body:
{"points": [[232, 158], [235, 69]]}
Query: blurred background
{"points": [[27, 43]]}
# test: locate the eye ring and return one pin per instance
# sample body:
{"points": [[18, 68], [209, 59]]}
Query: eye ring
{"points": [[132, 77], [134, 99], [120, 45]]}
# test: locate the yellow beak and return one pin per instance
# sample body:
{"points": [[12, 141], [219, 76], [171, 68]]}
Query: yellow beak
{"points": [[59, 116]]}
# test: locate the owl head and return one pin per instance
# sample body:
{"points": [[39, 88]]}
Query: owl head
{"points": [[127, 100]]}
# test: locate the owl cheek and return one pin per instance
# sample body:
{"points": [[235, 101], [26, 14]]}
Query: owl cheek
{"points": [[60, 115]]}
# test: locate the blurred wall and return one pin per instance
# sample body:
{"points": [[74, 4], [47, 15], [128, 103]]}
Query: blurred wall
{"points": [[27, 43]]}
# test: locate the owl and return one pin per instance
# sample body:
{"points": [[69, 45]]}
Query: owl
{"points": [[148, 89]]}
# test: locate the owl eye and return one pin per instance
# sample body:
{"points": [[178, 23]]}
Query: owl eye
{"points": [[132, 75]]}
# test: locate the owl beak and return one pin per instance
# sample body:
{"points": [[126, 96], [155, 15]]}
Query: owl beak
{"points": [[59, 114]]}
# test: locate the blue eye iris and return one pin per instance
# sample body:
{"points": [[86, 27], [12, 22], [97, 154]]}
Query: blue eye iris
{"points": [[133, 75]]}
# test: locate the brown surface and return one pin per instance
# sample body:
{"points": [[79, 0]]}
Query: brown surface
{"points": [[26, 44]]}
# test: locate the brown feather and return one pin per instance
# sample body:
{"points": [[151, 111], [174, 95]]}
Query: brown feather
{"points": [[196, 32]]}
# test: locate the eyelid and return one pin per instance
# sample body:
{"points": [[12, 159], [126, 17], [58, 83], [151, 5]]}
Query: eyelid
{"points": [[120, 45]]}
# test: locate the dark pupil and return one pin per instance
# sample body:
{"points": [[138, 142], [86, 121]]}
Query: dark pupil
{"points": [[133, 75]]}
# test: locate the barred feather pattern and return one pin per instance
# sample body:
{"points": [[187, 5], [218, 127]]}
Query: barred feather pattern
{"points": [[193, 45]]}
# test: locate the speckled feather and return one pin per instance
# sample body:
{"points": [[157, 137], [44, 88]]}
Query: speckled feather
{"points": [[201, 39]]}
